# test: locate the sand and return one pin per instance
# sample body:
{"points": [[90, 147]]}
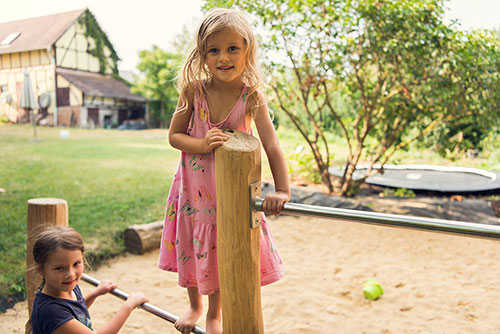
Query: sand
{"points": [[433, 283]]}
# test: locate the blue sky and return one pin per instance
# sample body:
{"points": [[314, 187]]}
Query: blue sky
{"points": [[133, 26]]}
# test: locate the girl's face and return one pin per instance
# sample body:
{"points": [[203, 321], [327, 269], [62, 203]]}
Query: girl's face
{"points": [[225, 57], [62, 271]]}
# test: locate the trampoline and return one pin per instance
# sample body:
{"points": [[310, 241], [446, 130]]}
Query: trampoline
{"points": [[428, 177]]}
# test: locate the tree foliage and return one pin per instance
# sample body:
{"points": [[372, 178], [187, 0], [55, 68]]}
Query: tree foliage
{"points": [[157, 82], [469, 90], [402, 72]]}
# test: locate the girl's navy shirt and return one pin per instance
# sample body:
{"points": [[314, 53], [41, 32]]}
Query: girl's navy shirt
{"points": [[49, 312]]}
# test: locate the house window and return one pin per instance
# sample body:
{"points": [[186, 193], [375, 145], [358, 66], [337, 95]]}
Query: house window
{"points": [[63, 97]]}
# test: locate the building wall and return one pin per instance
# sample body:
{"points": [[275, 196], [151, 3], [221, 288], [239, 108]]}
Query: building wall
{"points": [[69, 116], [73, 50], [75, 94], [41, 70]]}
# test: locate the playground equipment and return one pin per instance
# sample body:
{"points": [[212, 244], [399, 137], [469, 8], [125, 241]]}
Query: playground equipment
{"points": [[385, 219], [442, 179], [238, 222], [238, 190], [170, 317], [45, 212], [42, 213]]}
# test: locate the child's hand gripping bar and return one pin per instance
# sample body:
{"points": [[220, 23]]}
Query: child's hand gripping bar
{"points": [[146, 306]]}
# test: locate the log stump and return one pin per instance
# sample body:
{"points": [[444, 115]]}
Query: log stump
{"points": [[141, 238]]}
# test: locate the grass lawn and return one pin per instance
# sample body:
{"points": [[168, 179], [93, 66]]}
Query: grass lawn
{"points": [[110, 179]]}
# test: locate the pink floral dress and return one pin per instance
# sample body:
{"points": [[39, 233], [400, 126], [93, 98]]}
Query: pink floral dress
{"points": [[189, 240]]}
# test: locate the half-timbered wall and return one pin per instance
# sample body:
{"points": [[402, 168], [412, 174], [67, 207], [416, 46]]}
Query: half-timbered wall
{"points": [[75, 94], [12, 68], [72, 50]]}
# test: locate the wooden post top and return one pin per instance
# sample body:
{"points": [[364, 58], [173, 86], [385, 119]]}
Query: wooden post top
{"points": [[42, 213], [46, 201], [240, 141]]}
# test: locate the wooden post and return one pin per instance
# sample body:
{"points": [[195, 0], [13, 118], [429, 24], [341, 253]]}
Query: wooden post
{"points": [[42, 213], [238, 165]]}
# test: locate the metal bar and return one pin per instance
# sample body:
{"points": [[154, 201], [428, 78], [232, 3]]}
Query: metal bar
{"points": [[146, 306], [376, 218]]}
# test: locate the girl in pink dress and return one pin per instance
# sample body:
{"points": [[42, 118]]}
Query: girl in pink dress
{"points": [[219, 89]]}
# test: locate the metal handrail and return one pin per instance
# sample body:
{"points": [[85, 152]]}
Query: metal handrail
{"points": [[146, 306], [384, 219]]}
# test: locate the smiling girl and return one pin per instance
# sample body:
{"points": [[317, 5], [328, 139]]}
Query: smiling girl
{"points": [[59, 306], [218, 89]]}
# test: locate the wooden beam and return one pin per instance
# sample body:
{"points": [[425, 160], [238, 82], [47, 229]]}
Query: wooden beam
{"points": [[238, 165], [42, 213]]}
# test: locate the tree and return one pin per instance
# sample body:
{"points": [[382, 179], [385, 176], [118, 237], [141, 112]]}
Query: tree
{"points": [[157, 82], [395, 63], [469, 87]]}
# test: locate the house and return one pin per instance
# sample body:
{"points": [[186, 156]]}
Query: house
{"points": [[73, 69]]}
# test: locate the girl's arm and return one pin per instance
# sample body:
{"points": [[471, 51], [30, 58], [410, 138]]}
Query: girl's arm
{"points": [[273, 203], [73, 327], [113, 326], [180, 121], [104, 287]]}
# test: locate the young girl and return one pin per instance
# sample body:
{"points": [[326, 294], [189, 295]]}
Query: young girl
{"points": [[218, 89], [59, 306]]}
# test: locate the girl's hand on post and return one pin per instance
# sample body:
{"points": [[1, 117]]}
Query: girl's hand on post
{"points": [[273, 203], [136, 299], [213, 138], [104, 287]]}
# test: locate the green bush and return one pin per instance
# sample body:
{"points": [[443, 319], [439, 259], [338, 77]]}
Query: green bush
{"points": [[490, 147], [301, 165], [399, 192], [4, 120]]}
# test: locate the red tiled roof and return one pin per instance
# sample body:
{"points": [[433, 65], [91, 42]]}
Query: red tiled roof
{"points": [[96, 84], [37, 33]]}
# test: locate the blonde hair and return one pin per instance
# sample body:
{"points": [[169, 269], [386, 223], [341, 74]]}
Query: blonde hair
{"points": [[49, 241], [195, 73]]}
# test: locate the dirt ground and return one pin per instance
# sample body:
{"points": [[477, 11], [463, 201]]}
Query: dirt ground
{"points": [[433, 283]]}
